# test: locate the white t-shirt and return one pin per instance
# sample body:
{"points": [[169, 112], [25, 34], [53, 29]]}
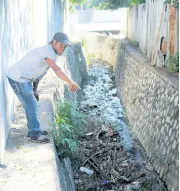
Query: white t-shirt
{"points": [[33, 65]]}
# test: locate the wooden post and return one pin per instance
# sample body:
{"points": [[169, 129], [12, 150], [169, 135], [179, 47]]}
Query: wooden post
{"points": [[149, 28], [172, 29], [177, 30]]}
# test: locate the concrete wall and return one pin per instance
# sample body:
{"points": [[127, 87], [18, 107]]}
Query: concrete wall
{"points": [[24, 25], [99, 20], [94, 45], [150, 97], [148, 23], [85, 16]]}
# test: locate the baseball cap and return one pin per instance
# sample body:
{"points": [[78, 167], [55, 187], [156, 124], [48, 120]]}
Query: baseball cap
{"points": [[62, 38]]}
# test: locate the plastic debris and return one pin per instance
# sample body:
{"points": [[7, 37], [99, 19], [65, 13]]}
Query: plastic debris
{"points": [[86, 170]]}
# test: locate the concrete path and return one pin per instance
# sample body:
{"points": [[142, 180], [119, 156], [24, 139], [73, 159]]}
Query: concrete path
{"points": [[31, 166]]}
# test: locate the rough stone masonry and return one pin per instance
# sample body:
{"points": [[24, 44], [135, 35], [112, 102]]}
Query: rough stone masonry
{"points": [[151, 100]]}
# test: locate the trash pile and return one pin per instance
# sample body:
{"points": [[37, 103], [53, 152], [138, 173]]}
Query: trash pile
{"points": [[104, 164], [107, 158]]}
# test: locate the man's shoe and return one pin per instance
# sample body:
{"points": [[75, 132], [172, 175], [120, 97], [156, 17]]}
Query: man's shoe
{"points": [[40, 139], [42, 133]]}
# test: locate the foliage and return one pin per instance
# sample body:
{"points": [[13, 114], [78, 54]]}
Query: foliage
{"points": [[69, 123], [89, 56], [175, 3], [72, 8], [173, 63], [133, 2], [135, 43], [77, 1], [84, 42], [113, 4]]}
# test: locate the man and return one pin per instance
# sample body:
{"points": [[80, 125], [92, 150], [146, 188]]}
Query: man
{"points": [[30, 69]]}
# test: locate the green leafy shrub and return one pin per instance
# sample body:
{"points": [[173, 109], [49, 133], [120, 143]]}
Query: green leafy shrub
{"points": [[175, 3], [135, 43], [69, 125], [173, 63], [134, 2], [113, 4], [84, 42], [89, 56], [77, 1]]}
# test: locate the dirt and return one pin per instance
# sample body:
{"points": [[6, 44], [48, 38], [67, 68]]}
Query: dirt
{"points": [[116, 160]]}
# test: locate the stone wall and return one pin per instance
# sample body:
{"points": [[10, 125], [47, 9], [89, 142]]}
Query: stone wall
{"points": [[150, 97], [24, 25], [151, 100]]}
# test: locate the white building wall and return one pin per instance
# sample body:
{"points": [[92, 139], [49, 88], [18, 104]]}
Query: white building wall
{"points": [[85, 16], [24, 24], [147, 24]]}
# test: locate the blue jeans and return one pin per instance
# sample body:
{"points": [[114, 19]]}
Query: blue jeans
{"points": [[25, 94]]}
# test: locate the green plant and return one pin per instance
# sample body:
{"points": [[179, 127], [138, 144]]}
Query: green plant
{"points": [[89, 57], [135, 43], [72, 8], [68, 127], [175, 3], [173, 63], [113, 4], [84, 46], [77, 1], [134, 2], [84, 42]]}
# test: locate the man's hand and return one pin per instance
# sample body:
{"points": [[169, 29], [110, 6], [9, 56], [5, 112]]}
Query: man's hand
{"points": [[36, 95], [35, 86], [73, 86]]}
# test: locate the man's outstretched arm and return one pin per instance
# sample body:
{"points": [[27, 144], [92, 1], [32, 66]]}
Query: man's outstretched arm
{"points": [[73, 86]]}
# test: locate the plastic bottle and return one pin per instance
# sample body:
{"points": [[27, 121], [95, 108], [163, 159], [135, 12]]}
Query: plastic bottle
{"points": [[86, 170]]}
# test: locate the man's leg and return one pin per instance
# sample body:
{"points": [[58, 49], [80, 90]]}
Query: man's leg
{"points": [[29, 132], [30, 109], [24, 92]]}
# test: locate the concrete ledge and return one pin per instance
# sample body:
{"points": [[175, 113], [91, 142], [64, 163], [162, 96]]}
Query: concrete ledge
{"points": [[30, 166]]}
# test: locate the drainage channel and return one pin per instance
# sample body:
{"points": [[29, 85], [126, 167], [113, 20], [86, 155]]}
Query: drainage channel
{"points": [[108, 158]]}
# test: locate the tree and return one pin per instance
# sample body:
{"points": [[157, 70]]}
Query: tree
{"points": [[77, 1], [73, 3], [133, 2], [113, 4]]}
